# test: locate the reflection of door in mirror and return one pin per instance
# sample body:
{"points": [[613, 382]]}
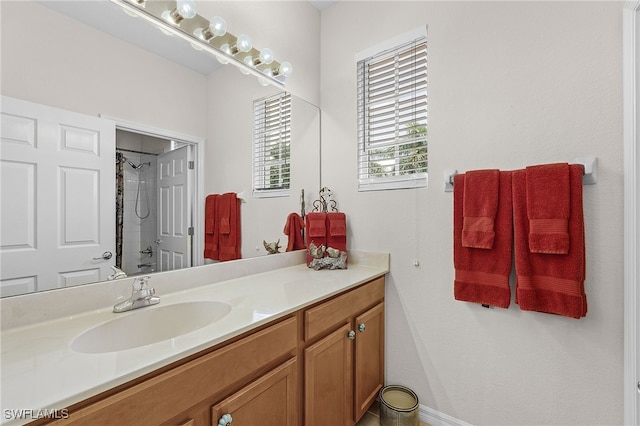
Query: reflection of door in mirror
{"points": [[154, 210], [57, 178]]}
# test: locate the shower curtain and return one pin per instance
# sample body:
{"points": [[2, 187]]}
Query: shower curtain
{"points": [[119, 206]]}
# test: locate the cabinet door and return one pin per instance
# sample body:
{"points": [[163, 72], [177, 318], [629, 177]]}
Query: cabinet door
{"points": [[329, 380], [272, 400], [369, 358]]}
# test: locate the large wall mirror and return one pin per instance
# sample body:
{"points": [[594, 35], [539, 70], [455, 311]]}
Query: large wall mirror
{"points": [[165, 103]]}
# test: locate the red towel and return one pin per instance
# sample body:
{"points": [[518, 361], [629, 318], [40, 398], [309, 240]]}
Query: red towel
{"points": [[210, 228], [337, 231], [228, 216], [293, 228], [551, 283], [316, 227], [548, 208], [482, 275], [480, 206]]}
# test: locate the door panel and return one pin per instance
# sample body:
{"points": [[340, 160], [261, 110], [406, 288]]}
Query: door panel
{"points": [[174, 210], [58, 173]]}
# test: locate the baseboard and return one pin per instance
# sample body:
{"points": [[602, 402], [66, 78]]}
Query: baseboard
{"points": [[436, 418]]}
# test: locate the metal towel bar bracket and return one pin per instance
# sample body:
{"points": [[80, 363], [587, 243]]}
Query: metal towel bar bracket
{"points": [[590, 176]]}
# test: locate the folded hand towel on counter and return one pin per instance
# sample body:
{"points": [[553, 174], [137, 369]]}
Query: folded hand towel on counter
{"points": [[293, 229], [480, 206], [547, 190], [482, 275], [337, 230], [551, 283]]}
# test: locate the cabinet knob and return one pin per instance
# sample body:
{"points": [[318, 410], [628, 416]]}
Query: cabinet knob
{"points": [[225, 420], [361, 328], [351, 335]]}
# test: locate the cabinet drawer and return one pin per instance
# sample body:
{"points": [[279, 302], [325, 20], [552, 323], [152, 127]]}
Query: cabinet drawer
{"points": [[329, 314], [160, 398]]}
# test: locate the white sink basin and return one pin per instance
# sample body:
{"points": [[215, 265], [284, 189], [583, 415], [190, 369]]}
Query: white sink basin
{"points": [[149, 325]]}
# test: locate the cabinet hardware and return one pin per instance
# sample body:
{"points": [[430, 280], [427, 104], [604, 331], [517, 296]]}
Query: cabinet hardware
{"points": [[361, 328], [225, 420], [351, 335]]}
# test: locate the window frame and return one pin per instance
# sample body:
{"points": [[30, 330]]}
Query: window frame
{"points": [[281, 123], [398, 180]]}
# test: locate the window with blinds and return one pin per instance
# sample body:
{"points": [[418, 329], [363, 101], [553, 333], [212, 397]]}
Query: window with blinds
{"points": [[392, 118], [272, 145]]}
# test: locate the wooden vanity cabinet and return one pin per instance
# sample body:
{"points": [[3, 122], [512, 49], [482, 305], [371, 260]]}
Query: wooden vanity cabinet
{"points": [[344, 355], [323, 365]]}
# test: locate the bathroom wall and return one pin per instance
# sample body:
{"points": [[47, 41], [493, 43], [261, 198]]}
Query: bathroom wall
{"points": [[511, 84]]}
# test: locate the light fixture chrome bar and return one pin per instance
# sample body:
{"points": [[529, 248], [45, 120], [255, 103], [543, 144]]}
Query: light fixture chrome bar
{"points": [[140, 10]]}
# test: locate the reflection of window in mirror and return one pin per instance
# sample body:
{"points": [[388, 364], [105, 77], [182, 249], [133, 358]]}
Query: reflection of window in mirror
{"points": [[272, 145], [392, 114]]}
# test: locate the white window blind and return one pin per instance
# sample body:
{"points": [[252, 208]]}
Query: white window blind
{"points": [[271, 145], [392, 118]]}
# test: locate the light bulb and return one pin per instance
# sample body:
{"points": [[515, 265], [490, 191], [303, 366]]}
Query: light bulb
{"points": [[249, 61], [285, 69], [243, 43], [263, 81], [187, 8], [226, 49], [218, 26], [266, 56]]}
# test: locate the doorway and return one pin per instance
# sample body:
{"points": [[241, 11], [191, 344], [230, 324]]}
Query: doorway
{"points": [[155, 197]]}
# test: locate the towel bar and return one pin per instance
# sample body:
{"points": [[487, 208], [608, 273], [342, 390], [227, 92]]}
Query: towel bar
{"points": [[590, 176]]}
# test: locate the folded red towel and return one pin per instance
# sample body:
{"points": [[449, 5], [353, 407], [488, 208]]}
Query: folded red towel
{"points": [[228, 206], [548, 208], [316, 228], [480, 206], [482, 275], [210, 228], [293, 229], [551, 283], [337, 231]]}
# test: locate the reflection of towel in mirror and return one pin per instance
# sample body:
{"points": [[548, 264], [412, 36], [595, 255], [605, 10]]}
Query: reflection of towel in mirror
{"points": [[222, 238], [228, 217], [210, 228], [293, 229]]}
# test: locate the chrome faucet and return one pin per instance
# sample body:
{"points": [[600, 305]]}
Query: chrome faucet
{"points": [[141, 296]]}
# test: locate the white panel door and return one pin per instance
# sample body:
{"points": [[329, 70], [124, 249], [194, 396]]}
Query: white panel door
{"points": [[174, 210], [57, 194]]}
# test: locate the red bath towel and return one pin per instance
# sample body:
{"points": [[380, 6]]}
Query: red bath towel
{"points": [[228, 208], [480, 206], [551, 283], [337, 231], [210, 228], [548, 208], [482, 275], [316, 224], [293, 229]]}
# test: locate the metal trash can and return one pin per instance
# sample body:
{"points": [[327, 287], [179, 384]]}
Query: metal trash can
{"points": [[398, 406]]}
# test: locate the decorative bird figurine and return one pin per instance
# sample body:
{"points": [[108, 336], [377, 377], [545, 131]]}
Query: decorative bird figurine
{"points": [[272, 248]]}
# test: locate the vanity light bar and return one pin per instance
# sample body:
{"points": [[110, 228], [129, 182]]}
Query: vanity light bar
{"points": [[151, 11]]}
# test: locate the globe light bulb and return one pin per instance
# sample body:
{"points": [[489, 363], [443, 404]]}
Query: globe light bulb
{"points": [[285, 69], [187, 8], [263, 81], [249, 61], [244, 43], [266, 56], [226, 49], [218, 26]]}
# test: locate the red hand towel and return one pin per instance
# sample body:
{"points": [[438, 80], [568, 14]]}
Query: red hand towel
{"points": [[210, 228], [293, 228], [337, 231], [482, 275], [316, 227], [228, 206], [480, 206], [548, 208], [551, 283]]}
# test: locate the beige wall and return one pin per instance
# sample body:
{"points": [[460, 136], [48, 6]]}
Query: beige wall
{"points": [[511, 84]]}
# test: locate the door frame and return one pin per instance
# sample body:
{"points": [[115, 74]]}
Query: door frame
{"points": [[198, 190], [631, 99]]}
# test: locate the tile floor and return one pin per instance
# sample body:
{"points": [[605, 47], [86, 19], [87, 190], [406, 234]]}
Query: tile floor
{"points": [[372, 417]]}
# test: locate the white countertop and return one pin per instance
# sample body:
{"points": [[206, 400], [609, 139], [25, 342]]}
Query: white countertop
{"points": [[40, 370]]}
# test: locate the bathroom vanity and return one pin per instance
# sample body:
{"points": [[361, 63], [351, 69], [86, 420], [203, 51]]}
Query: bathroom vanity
{"points": [[296, 347]]}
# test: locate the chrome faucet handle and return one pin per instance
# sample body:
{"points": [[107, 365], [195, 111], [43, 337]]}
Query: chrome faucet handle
{"points": [[141, 283]]}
